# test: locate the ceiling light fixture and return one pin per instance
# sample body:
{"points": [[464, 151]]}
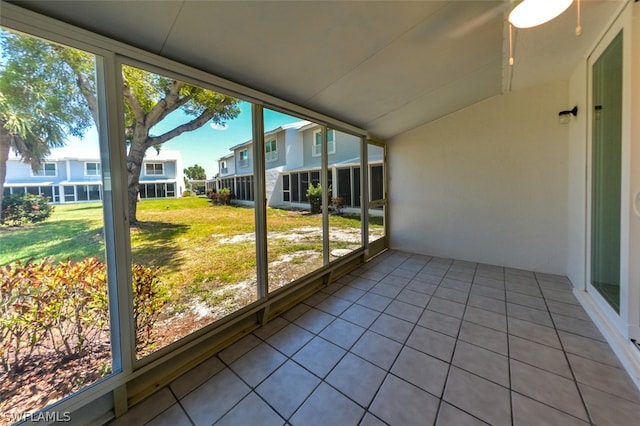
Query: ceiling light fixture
{"points": [[531, 13]]}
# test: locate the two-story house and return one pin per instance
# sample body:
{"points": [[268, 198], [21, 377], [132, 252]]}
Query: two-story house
{"points": [[293, 160], [72, 175]]}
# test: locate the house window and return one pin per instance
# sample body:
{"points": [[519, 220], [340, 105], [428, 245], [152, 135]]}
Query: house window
{"points": [[271, 151], [46, 169], [244, 158], [317, 143], [223, 167], [154, 169], [92, 169], [286, 194]]}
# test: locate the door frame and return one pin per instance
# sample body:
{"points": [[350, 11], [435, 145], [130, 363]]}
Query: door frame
{"points": [[626, 322]]}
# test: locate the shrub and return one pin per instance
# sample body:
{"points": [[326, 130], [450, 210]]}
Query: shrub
{"points": [[23, 321], [148, 298], [338, 204], [222, 197], [77, 305], [186, 193], [63, 307], [22, 209], [314, 195]]}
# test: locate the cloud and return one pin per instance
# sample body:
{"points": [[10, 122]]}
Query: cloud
{"points": [[219, 126]]}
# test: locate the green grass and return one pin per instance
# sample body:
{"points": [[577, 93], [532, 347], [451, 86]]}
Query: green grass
{"points": [[184, 237], [73, 231], [206, 255]]}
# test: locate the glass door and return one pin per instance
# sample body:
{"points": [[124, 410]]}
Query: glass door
{"points": [[606, 173]]}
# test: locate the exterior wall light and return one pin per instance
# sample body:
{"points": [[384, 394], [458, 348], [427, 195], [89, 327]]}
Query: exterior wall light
{"points": [[565, 116]]}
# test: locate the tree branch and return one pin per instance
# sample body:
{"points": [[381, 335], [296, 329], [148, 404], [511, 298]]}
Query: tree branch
{"points": [[85, 88], [137, 110], [167, 105], [194, 124]]}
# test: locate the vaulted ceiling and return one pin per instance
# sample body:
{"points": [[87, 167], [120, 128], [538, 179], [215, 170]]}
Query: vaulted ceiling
{"points": [[386, 66]]}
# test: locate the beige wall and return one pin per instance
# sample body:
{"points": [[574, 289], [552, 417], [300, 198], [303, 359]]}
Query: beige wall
{"points": [[486, 184], [577, 180]]}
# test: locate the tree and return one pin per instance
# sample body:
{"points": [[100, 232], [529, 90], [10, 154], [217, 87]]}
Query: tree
{"points": [[195, 172], [149, 99], [39, 101]]}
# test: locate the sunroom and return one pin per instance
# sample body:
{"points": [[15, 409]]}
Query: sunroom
{"points": [[489, 276]]}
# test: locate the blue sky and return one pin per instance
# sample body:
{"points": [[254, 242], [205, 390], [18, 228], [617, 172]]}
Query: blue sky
{"points": [[205, 145]]}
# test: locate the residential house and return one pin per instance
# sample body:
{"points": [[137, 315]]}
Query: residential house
{"points": [[74, 175], [293, 161]]}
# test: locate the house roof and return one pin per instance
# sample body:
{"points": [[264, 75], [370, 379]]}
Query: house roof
{"points": [[385, 66], [93, 154], [295, 125]]}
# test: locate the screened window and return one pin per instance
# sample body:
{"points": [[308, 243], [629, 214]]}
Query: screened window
{"points": [[286, 194], [92, 169], [344, 186], [377, 186], [46, 169], [154, 169], [271, 151], [317, 145]]}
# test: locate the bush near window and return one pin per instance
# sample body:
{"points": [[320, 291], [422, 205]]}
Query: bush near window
{"points": [[338, 204], [314, 194], [23, 209], [221, 197], [63, 308]]}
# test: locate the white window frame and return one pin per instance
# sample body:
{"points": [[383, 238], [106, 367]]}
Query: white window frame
{"points": [[146, 170], [271, 155], [41, 172], [316, 149], [243, 162], [96, 172]]}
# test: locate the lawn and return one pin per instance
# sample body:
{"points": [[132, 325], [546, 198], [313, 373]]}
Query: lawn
{"points": [[206, 261], [205, 254]]}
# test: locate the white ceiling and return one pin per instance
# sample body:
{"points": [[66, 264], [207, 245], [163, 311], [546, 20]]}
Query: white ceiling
{"points": [[385, 66]]}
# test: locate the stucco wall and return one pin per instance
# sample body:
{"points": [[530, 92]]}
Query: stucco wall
{"points": [[577, 179], [486, 184]]}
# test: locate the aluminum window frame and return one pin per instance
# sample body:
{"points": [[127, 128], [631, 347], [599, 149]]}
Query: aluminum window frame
{"points": [[132, 381]]}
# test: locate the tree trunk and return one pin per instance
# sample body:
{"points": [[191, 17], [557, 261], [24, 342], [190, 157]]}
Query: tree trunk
{"points": [[5, 146], [134, 167]]}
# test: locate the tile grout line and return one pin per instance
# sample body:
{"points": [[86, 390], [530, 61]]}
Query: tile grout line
{"points": [[184, 410], [455, 345], [564, 353]]}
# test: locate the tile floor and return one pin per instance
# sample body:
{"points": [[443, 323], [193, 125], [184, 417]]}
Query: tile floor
{"points": [[409, 339]]}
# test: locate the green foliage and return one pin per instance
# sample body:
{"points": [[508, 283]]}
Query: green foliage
{"points": [[38, 81], [195, 172], [76, 305], [222, 197], [22, 209], [148, 298], [186, 193], [63, 307], [314, 194]]}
